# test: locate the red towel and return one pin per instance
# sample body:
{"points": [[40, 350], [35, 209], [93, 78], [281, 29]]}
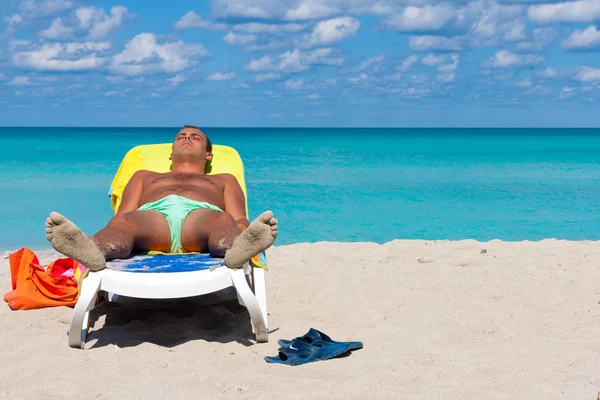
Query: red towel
{"points": [[34, 287]]}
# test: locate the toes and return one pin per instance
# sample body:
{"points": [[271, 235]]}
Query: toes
{"points": [[266, 216], [56, 218], [273, 221]]}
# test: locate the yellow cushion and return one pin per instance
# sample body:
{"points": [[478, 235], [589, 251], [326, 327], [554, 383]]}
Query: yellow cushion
{"points": [[155, 157]]}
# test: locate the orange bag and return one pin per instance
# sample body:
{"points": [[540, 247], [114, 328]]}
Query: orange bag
{"points": [[34, 287]]}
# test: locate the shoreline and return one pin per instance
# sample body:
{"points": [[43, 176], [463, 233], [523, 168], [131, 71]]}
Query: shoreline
{"points": [[49, 249]]}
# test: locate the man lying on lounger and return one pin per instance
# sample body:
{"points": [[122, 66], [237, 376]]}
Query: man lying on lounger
{"points": [[180, 211]]}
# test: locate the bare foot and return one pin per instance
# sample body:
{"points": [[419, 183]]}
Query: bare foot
{"points": [[258, 237], [69, 240]]}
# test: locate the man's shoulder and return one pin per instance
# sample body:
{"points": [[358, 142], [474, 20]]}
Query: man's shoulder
{"points": [[225, 177]]}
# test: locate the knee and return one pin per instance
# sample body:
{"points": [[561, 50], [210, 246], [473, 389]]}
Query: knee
{"points": [[224, 219]]}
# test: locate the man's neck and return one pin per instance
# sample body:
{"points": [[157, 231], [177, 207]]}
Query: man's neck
{"points": [[187, 168]]}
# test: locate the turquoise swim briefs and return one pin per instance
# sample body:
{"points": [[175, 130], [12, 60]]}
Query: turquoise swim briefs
{"points": [[175, 208]]}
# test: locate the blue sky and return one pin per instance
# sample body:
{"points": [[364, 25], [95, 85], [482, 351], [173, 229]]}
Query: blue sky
{"points": [[299, 63]]}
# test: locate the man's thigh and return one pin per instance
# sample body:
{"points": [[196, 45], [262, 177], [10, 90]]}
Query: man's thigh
{"points": [[199, 224], [150, 231]]}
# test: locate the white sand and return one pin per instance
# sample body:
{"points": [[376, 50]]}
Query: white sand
{"points": [[439, 320]]}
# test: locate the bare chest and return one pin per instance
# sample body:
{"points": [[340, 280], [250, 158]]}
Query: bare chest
{"points": [[206, 182]]}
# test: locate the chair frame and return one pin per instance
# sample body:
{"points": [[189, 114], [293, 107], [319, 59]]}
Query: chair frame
{"points": [[249, 282]]}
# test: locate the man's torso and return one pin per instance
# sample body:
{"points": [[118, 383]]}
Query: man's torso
{"points": [[208, 188]]}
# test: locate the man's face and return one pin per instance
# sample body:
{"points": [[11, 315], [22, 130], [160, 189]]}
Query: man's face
{"points": [[191, 141]]}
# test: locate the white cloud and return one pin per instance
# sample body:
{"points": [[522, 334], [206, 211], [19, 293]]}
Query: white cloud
{"points": [[99, 22], [221, 76], [582, 11], [446, 64], [424, 43], [20, 44], [13, 21], [361, 78], [445, 77], [479, 23], [419, 79], [294, 61], [505, 59], [20, 81], [111, 93], [453, 60], [192, 20], [115, 79], [314, 96], [536, 89], [541, 37], [411, 93], [2, 77], [294, 84], [239, 39], [270, 45], [548, 73], [492, 23], [57, 31], [524, 83], [310, 9], [144, 54], [177, 80], [240, 9], [566, 92], [422, 19], [62, 57], [36, 9], [515, 32], [432, 60], [255, 27], [298, 9], [86, 46], [582, 39], [332, 30], [371, 62], [408, 62], [587, 74], [268, 76]]}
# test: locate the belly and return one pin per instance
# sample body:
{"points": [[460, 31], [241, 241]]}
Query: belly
{"points": [[192, 192]]}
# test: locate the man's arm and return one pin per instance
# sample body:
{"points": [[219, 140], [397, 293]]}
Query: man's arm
{"points": [[235, 201], [132, 193]]}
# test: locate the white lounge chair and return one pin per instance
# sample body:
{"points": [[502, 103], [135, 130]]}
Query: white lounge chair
{"points": [[164, 276]]}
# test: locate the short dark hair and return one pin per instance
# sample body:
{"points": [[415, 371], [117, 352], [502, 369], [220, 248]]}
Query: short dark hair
{"points": [[208, 142]]}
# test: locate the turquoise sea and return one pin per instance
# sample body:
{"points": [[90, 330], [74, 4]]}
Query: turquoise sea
{"points": [[332, 184]]}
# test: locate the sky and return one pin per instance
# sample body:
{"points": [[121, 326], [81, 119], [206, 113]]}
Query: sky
{"points": [[344, 63]]}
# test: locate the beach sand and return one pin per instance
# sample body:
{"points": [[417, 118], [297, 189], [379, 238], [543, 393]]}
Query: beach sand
{"points": [[438, 319]]}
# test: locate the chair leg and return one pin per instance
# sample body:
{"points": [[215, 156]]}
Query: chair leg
{"points": [[249, 300], [85, 303], [260, 291]]}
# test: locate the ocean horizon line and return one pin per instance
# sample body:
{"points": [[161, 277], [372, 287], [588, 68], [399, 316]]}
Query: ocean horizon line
{"points": [[306, 127]]}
